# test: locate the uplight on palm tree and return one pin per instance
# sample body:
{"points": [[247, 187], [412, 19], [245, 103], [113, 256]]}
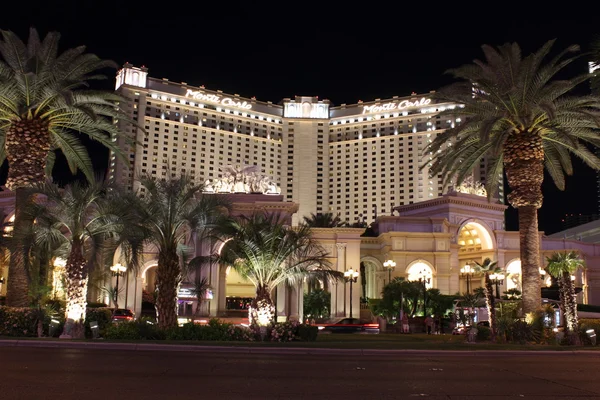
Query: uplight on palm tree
{"points": [[267, 252], [86, 224], [562, 266], [519, 116], [489, 268], [46, 106], [175, 212]]}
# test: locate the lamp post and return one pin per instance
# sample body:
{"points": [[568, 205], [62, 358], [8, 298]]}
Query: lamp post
{"points": [[497, 279], [424, 278], [467, 271], [351, 276], [390, 265], [117, 270]]}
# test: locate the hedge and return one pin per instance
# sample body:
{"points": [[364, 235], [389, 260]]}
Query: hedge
{"points": [[18, 321]]}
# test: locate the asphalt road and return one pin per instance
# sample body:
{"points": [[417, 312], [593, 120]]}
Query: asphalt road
{"points": [[89, 374]]}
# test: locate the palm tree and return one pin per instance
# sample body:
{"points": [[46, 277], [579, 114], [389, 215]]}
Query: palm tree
{"points": [[86, 224], [323, 220], [175, 211], [201, 288], [489, 267], [45, 106], [520, 118], [561, 265], [266, 251]]}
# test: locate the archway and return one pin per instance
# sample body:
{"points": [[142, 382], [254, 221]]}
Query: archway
{"points": [[513, 275], [421, 270], [476, 243], [372, 269]]}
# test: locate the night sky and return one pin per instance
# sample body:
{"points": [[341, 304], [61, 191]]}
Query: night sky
{"points": [[341, 51]]}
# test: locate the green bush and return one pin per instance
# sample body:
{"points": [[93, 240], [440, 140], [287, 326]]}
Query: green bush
{"points": [[483, 333], [214, 330], [140, 329], [584, 325], [18, 321], [520, 332], [101, 315]]}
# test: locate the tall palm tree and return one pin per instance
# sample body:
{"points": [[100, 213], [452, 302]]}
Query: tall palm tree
{"points": [[323, 220], [268, 252], [488, 267], [45, 106], [175, 212], [519, 117], [86, 224], [561, 265]]}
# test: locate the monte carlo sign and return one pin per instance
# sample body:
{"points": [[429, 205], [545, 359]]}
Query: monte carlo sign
{"points": [[213, 98], [423, 101]]}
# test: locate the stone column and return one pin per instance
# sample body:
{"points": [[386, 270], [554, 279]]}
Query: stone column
{"points": [[221, 298], [137, 298], [281, 306], [340, 292]]}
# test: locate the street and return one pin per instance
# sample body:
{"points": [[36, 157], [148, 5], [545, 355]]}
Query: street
{"points": [[65, 373]]}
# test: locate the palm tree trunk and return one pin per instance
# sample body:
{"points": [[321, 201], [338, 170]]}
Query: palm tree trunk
{"points": [[490, 302], [529, 241], [524, 167], [168, 277], [262, 310], [17, 289], [77, 280], [27, 145], [569, 302]]}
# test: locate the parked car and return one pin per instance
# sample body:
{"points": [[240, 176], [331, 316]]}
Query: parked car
{"points": [[122, 314], [463, 329], [348, 325]]}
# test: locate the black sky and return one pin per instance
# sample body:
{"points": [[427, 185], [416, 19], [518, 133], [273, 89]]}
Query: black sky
{"points": [[341, 51]]}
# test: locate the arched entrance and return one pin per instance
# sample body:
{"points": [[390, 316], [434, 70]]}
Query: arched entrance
{"points": [[372, 279], [513, 275], [476, 243], [421, 270], [239, 292]]}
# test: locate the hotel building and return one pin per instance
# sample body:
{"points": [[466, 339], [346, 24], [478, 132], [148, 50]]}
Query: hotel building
{"points": [[357, 161], [366, 162]]}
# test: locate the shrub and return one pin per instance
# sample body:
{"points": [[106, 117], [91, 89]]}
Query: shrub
{"points": [[584, 325], [214, 330], [101, 315], [483, 333], [284, 331], [141, 329], [18, 321], [2, 300], [520, 331]]}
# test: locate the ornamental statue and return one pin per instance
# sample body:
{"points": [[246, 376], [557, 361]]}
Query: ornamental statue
{"points": [[241, 179], [470, 186]]}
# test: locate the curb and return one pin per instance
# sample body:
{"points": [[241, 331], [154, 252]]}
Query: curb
{"points": [[272, 350]]}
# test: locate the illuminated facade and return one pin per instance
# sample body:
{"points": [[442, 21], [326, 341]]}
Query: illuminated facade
{"points": [[358, 161]]}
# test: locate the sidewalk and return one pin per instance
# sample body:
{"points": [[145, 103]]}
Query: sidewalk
{"points": [[264, 350]]}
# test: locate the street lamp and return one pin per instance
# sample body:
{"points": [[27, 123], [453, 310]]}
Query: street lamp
{"points": [[351, 276], [424, 278], [390, 265], [117, 270], [497, 279], [467, 271]]}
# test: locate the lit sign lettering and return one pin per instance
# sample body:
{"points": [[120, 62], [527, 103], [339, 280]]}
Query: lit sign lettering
{"points": [[213, 98], [396, 106]]}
